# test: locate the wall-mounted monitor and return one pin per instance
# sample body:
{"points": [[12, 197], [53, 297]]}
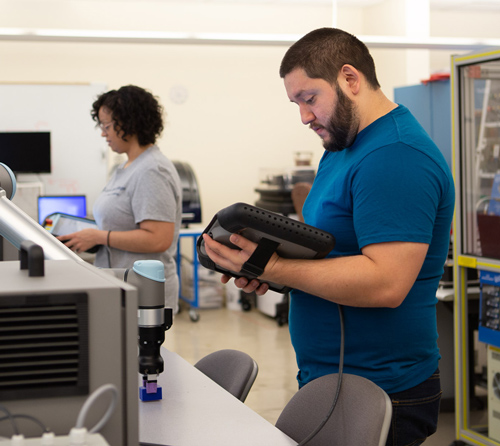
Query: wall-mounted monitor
{"points": [[26, 152], [66, 204]]}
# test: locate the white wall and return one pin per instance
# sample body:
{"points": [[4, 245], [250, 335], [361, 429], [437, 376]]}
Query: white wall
{"points": [[236, 119]]}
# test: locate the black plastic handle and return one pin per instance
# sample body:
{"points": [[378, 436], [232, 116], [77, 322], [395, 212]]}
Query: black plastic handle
{"points": [[32, 259]]}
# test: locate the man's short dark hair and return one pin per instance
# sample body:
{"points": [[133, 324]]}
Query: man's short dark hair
{"points": [[135, 111], [322, 53]]}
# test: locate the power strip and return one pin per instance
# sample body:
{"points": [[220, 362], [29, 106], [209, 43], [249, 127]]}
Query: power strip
{"points": [[55, 440]]}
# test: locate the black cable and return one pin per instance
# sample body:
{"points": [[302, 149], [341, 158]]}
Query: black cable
{"points": [[339, 382], [11, 418], [108, 253], [28, 417]]}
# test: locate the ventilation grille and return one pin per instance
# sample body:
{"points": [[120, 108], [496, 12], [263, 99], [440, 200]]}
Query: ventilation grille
{"points": [[43, 346]]}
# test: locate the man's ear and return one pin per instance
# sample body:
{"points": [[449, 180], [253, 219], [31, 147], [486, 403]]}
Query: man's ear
{"points": [[350, 77]]}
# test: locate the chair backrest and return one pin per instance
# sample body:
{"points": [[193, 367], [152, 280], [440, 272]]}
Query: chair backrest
{"points": [[233, 370], [362, 415]]}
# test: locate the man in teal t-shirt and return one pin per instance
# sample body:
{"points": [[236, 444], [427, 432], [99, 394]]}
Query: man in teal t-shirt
{"points": [[385, 192], [391, 185]]}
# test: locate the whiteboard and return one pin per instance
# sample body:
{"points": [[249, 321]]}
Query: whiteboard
{"points": [[79, 153]]}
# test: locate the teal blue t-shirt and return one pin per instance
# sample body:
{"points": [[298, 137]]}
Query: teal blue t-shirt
{"points": [[392, 184]]}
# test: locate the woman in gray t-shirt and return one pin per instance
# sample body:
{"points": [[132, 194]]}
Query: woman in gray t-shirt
{"points": [[139, 211]]}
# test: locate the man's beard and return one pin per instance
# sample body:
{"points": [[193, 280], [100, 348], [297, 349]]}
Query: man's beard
{"points": [[343, 125]]}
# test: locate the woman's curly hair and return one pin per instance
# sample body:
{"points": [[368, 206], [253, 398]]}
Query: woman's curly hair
{"points": [[135, 111]]}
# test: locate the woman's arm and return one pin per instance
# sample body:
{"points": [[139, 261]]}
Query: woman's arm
{"points": [[152, 236]]}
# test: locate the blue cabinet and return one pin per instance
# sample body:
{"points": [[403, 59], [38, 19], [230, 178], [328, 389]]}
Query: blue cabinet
{"points": [[430, 103]]}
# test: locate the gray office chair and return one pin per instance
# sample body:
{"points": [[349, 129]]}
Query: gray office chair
{"points": [[233, 370], [362, 415]]}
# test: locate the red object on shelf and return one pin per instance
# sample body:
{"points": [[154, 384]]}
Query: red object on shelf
{"points": [[437, 77]]}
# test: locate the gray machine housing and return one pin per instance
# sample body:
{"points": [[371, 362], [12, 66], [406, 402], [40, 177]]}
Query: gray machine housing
{"points": [[112, 349]]}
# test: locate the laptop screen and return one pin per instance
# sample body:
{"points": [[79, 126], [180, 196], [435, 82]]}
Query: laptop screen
{"points": [[66, 204]]}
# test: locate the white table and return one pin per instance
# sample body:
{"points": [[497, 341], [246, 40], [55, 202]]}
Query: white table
{"points": [[196, 411]]}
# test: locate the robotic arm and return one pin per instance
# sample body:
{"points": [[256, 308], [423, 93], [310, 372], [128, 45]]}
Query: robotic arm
{"points": [[147, 276], [17, 226]]}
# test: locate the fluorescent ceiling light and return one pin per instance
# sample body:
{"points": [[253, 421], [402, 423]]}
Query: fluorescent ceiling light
{"points": [[71, 35], [12, 32]]}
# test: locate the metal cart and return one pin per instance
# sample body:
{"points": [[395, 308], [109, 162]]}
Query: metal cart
{"points": [[194, 303]]}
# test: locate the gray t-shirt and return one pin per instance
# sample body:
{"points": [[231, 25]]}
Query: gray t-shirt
{"points": [[148, 189]]}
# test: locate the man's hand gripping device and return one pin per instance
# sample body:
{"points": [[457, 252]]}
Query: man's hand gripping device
{"points": [[271, 232]]}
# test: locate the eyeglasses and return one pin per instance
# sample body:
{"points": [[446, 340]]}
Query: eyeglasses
{"points": [[104, 127]]}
